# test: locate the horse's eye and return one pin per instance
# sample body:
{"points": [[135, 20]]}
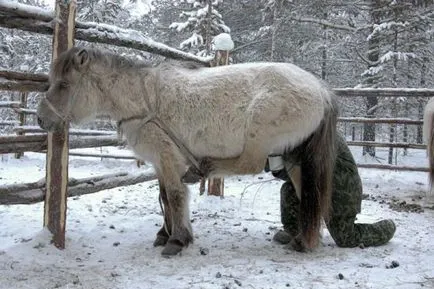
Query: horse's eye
{"points": [[63, 85]]}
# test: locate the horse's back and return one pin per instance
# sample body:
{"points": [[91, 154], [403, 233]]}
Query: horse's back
{"points": [[245, 79]]}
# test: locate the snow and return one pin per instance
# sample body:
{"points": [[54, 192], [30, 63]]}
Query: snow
{"points": [[373, 70], [194, 40], [110, 235], [386, 26], [179, 26], [399, 55], [395, 90], [43, 13], [100, 30], [223, 41], [138, 8]]}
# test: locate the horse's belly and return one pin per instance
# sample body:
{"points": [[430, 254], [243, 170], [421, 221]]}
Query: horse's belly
{"points": [[218, 144]]}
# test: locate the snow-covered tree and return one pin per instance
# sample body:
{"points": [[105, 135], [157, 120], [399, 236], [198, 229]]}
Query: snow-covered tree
{"points": [[203, 21], [389, 54], [102, 11]]}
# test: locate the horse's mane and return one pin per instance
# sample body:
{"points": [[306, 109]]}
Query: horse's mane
{"points": [[187, 64], [65, 62]]}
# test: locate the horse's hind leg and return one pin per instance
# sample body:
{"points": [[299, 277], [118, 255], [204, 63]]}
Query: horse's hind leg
{"points": [[164, 233]]}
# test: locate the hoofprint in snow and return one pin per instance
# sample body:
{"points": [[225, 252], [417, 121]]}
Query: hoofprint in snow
{"points": [[110, 235]]}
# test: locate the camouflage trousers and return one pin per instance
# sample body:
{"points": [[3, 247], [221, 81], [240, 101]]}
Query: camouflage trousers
{"points": [[346, 204]]}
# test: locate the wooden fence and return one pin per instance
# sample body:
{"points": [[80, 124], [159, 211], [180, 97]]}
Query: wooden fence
{"points": [[408, 94], [63, 26], [93, 140]]}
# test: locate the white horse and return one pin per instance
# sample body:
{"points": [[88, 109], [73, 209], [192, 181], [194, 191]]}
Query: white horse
{"points": [[222, 120]]}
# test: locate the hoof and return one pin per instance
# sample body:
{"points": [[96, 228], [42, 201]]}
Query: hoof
{"points": [[160, 241], [297, 244], [282, 237], [172, 248]]}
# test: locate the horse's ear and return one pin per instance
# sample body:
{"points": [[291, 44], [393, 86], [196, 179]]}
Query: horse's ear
{"points": [[81, 58]]}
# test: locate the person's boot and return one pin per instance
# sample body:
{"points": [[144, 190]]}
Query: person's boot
{"points": [[289, 208], [376, 234]]}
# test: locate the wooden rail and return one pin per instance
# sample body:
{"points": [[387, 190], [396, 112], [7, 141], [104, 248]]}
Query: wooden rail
{"points": [[387, 144], [393, 167], [30, 193], [38, 142], [381, 120], [384, 92], [88, 132]]}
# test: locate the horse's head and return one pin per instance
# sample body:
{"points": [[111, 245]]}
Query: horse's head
{"points": [[69, 94]]}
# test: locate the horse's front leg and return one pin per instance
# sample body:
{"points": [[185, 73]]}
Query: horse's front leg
{"points": [[170, 166], [177, 213], [164, 233]]}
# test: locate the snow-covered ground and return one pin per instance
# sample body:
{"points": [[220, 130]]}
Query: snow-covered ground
{"points": [[110, 235]]}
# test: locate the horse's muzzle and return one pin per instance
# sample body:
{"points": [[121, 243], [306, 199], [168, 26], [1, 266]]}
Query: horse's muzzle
{"points": [[50, 126]]}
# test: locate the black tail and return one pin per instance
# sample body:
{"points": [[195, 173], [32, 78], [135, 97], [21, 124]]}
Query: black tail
{"points": [[317, 155]]}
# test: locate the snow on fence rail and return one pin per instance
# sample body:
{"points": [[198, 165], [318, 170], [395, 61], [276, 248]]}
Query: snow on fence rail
{"points": [[29, 193], [38, 143], [9, 104], [38, 20], [381, 120], [9, 122], [83, 132], [384, 92]]}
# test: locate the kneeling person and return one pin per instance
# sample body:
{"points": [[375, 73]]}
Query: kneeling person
{"points": [[346, 204]]}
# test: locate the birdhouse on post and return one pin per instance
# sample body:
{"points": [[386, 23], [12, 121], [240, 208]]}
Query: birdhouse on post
{"points": [[221, 44]]}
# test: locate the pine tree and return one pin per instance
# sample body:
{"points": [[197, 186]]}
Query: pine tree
{"points": [[204, 21]]}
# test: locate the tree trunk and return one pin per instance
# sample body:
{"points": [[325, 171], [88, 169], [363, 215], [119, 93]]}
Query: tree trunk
{"points": [[372, 80], [274, 31], [421, 101], [208, 32], [393, 127], [369, 128], [324, 51], [392, 131]]}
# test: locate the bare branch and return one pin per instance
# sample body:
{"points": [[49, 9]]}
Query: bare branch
{"points": [[325, 23]]}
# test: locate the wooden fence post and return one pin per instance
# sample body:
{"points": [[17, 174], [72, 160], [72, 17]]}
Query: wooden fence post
{"points": [[57, 152], [222, 44], [22, 118]]}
